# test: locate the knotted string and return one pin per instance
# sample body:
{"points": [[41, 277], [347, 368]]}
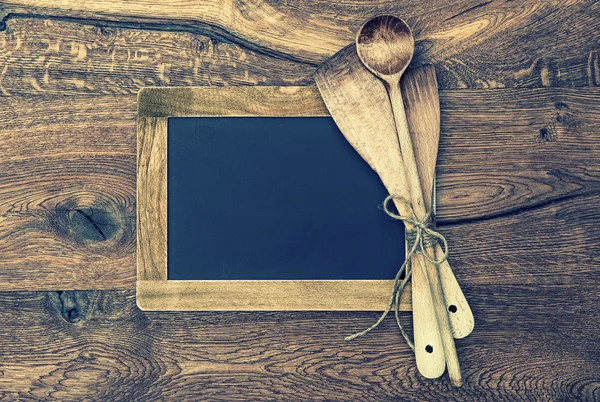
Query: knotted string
{"points": [[420, 236]]}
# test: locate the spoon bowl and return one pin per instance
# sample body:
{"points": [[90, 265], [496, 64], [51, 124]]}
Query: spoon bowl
{"points": [[385, 45]]}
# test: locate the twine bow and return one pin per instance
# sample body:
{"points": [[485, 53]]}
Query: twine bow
{"points": [[420, 236]]}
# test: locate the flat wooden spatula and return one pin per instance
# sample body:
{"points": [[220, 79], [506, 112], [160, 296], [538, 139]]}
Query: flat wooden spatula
{"points": [[359, 105], [422, 104]]}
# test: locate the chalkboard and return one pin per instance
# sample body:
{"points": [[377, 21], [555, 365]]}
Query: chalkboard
{"points": [[274, 198], [250, 198]]}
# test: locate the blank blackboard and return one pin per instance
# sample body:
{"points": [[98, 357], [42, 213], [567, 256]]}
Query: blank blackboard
{"points": [[274, 198]]}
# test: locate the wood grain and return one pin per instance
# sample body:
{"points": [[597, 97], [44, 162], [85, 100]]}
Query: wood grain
{"points": [[67, 193], [266, 295], [474, 44], [544, 145], [46, 57], [552, 244], [99, 346], [152, 198], [80, 155], [231, 101]]}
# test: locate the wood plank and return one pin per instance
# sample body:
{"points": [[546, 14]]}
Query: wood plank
{"points": [[67, 193], [555, 243], [522, 224], [530, 343], [518, 170], [47, 57], [473, 44], [502, 151]]}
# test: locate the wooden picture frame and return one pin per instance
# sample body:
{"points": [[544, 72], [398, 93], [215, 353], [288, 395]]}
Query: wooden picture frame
{"points": [[154, 290]]}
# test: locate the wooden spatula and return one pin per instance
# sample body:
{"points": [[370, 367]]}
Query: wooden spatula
{"points": [[359, 105], [421, 97], [422, 104]]}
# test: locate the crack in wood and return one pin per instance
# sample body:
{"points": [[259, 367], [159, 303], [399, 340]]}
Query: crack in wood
{"points": [[67, 302], [469, 10], [89, 218], [516, 211]]}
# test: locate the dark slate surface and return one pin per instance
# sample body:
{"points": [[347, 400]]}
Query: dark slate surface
{"points": [[274, 198]]}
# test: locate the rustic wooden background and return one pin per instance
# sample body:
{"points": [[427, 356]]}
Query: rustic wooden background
{"points": [[519, 189]]}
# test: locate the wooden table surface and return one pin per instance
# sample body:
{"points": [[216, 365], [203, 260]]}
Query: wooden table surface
{"points": [[519, 189]]}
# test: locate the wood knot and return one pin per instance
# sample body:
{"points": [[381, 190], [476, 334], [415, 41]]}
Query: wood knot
{"points": [[72, 305], [106, 31], [105, 34], [558, 122], [76, 306], [561, 105], [564, 117], [546, 134], [101, 224]]}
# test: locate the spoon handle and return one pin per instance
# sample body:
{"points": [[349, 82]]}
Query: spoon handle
{"points": [[416, 192], [409, 160]]}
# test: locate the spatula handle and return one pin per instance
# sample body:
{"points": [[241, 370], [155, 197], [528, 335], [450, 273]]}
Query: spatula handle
{"points": [[418, 205], [419, 89], [459, 313], [429, 349]]}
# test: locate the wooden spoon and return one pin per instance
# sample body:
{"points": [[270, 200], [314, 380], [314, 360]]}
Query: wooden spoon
{"points": [[385, 46]]}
